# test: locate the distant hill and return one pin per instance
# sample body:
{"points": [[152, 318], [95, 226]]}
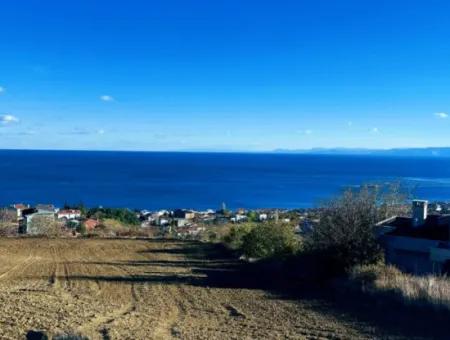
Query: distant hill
{"points": [[404, 152]]}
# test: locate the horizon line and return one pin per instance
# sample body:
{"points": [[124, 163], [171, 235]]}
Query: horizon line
{"points": [[201, 150]]}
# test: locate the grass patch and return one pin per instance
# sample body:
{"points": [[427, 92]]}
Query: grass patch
{"points": [[424, 291]]}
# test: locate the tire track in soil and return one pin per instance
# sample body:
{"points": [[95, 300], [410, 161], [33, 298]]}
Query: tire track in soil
{"points": [[101, 325], [160, 308], [18, 266]]}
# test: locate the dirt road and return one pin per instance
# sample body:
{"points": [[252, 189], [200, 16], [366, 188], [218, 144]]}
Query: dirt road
{"points": [[141, 289]]}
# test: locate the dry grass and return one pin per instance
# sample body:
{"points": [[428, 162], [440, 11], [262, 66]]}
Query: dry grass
{"points": [[144, 289], [428, 290]]}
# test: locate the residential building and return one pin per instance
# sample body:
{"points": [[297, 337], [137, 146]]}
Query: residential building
{"points": [[69, 214], [183, 213], [419, 244], [29, 225], [19, 207], [238, 218], [90, 224], [46, 208], [182, 222]]}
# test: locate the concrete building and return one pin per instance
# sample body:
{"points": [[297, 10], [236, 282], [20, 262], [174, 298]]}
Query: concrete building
{"points": [[184, 214], [46, 208], [19, 207], [418, 244], [26, 225], [69, 214]]}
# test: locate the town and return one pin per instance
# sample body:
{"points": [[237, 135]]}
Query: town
{"points": [[76, 221], [98, 259], [417, 241]]}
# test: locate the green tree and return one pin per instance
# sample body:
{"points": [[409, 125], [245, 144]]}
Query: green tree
{"points": [[81, 228], [125, 216], [345, 235], [270, 240], [234, 238], [252, 216]]}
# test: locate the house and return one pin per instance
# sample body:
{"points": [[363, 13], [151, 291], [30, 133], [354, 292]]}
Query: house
{"points": [[35, 223], [418, 244], [46, 208], [68, 214], [19, 207], [90, 224], [183, 213], [182, 222], [240, 211], [239, 218], [262, 217]]}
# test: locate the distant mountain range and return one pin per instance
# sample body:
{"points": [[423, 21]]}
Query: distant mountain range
{"points": [[405, 152]]}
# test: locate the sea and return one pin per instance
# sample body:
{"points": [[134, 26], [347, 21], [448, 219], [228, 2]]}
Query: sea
{"points": [[170, 180]]}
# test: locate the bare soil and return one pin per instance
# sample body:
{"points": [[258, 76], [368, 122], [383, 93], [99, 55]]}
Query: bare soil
{"points": [[149, 289]]}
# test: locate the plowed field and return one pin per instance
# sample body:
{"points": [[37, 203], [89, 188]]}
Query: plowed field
{"points": [[148, 289]]}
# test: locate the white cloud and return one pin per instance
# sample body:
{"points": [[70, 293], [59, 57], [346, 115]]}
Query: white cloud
{"points": [[2, 89], [304, 132], [442, 115], [8, 119], [76, 131], [375, 130], [81, 131], [106, 98]]}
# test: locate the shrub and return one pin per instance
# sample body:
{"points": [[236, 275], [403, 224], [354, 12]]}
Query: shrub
{"points": [[234, 239], [122, 215], [345, 235], [81, 228], [270, 240]]}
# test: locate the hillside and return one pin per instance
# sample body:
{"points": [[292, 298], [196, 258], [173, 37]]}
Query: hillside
{"points": [[143, 289]]}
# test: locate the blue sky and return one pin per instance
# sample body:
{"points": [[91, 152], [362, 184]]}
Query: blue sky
{"points": [[224, 75]]}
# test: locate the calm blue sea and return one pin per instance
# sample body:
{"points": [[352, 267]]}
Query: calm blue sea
{"points": [[155, 180]]}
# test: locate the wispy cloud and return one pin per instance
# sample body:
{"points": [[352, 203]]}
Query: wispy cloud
{"points": [[82, 132], [106, 98], [2, 89], [305, 132], [8, 119], [441, 115], [76, 131]]}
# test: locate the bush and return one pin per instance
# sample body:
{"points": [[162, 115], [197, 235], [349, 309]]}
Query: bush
{"points": [[234, 239], [270, 240], [81, 228], [345, 235], [125, 216]]}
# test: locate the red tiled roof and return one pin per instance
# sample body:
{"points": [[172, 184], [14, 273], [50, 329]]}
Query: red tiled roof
{"points": [[90, 223]]}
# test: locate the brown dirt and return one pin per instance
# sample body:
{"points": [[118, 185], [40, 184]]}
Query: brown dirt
{"points": [[144, 289]]}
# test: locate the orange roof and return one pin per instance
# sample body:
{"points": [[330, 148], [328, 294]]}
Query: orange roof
{"points": [[90, 223]]}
